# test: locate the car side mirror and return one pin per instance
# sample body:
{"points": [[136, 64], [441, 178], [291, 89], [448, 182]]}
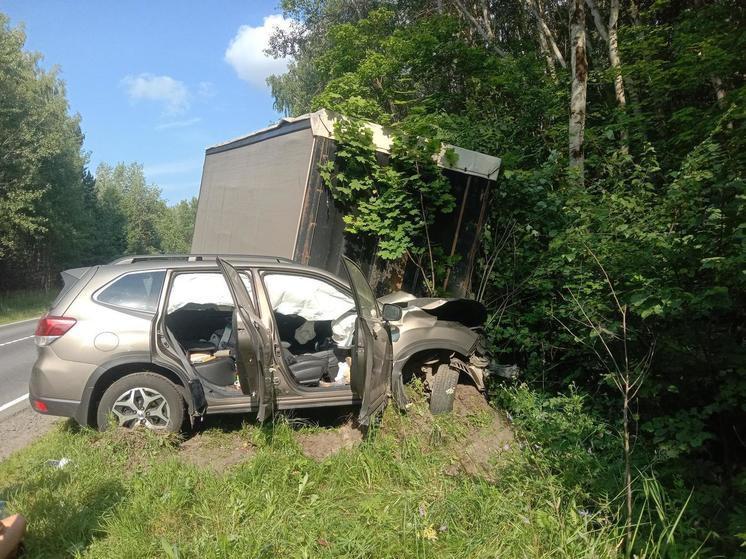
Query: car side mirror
{"points": [[391, 313]]}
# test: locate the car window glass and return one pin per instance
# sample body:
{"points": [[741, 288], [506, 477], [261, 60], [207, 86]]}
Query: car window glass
{"points": [[309, 298], [139, 291], [312, 301], [203, 289], [365, 297]]}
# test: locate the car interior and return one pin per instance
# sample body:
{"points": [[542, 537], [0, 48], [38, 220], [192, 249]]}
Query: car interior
{"points": [[315, 322]]}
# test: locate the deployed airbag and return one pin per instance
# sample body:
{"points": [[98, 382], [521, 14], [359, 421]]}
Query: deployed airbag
{"points": [[468, 312]]}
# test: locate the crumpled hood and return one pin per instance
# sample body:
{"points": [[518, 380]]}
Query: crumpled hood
{"points": [[468, 312]]}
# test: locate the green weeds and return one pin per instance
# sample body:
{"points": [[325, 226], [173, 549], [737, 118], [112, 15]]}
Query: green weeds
{"points": [[20, 305], [395, 494]]}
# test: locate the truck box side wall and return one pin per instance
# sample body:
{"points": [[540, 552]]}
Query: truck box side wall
{"points": [[321, 240], [251, 195]]}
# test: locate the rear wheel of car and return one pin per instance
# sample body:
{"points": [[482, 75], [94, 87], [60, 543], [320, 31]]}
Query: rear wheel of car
{"points": [[443, 390], [142, 400]]}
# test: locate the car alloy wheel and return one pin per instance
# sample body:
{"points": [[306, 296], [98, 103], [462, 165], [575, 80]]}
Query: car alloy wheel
{"points": [[142, 407]]}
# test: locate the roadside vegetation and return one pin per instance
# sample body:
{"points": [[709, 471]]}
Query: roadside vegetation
{"points": [[460, 485], [55, 213], [612, 261], [612, 266], [21, 305]]}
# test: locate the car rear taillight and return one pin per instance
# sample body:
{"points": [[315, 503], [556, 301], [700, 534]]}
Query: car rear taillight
{"points": [[39, 406], [52, 327]]}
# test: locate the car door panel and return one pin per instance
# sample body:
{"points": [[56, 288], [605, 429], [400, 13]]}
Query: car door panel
{"points": [[253, 345], [372, 359]]}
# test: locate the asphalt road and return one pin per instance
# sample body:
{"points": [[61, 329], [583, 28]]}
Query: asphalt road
{"points": [[17, 355], [19, 424]]}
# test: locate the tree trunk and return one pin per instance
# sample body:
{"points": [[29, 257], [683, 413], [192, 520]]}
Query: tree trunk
{"points": [[597, 19], [547, 55], [578, 92], [546, 31], [616, 63]]}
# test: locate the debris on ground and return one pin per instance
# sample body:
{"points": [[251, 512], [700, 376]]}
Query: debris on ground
{"points": [[322, 444], [58, 464]]}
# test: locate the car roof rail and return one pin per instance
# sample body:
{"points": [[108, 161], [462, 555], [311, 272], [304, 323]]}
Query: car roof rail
{"points": [[194, 258]]}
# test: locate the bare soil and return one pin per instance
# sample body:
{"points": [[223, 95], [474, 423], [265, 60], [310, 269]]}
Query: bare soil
{"points": [[202, 452], [476, 453], [22, 428], [322, 444]]}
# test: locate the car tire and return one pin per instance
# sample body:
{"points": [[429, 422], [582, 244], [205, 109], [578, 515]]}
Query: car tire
{"points": [[142, 399], [443, 390]]}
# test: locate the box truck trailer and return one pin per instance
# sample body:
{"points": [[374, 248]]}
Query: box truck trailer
{"points": [[262, 194]]}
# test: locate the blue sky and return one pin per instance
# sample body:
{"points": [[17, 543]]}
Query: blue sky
{"points": [[157, 82]]}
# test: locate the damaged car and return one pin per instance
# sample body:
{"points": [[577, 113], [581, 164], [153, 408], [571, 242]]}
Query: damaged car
{"points": [[160, 341]]}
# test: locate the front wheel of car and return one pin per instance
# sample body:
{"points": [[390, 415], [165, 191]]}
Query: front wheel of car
{"points": [[443, 390], [144, 400]]}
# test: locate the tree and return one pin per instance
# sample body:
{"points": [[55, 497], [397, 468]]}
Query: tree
{"points": [[177, 227], [124, 187], [578, 90], [41, 168]]}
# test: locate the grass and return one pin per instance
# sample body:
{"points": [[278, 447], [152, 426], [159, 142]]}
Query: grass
{"points": [[20, 305], [396, 494]]}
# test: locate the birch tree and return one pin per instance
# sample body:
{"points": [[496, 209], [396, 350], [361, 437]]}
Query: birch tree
{"points": [[610, 36], [579, 88]]}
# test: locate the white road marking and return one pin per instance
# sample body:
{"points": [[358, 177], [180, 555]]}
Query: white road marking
{"points": [[18, 340], [14, 402]]}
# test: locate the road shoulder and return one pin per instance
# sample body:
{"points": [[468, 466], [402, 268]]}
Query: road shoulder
{"points": [[21, 428]]}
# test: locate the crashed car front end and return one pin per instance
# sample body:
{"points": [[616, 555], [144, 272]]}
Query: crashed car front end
{"points": [[437, 331]]}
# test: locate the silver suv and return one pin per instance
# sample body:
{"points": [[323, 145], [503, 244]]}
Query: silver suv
{"points": [[160, 341]]}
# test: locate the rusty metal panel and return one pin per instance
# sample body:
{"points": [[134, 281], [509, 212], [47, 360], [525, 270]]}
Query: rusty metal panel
{"points": [[251, 195]]}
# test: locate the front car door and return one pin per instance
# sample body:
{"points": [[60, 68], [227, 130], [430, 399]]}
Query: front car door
{"points": [[372, 352], [253, 344]]}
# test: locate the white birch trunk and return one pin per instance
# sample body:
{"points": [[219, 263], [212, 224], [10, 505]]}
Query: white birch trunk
{"points": [[578, 91], [552, 44], [616, 63], [547, 55]]}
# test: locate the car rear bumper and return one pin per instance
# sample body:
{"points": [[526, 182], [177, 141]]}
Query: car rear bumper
{"points": [[56, 385], [53, 406]]}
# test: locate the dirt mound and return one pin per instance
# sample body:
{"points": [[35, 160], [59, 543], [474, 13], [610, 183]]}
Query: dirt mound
{"points": [[489, 435], [469, 401], [203, 452], [322, 444]]}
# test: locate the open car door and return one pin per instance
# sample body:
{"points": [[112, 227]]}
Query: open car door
{"points": [[372, 352], [253, 345]]}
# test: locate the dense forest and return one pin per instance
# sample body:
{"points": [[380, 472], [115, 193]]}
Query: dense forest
{"points": [[613, 264], [54, 213]]}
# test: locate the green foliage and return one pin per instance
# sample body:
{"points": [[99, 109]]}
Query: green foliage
{"points": [[176, 227], [21, 305], [662, 209], [396, 202], [53, 213], [140, 205]]}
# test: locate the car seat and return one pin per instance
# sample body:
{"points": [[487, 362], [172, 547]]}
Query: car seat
{"points": [[309, 368]]}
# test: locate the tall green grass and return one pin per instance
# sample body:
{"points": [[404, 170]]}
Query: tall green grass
{"points": [[20, 305], [394, 495]]}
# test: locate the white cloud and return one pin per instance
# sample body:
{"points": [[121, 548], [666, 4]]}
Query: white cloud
{"points": [[178, 123], [205, 90], [163, 89], [246, 51]]}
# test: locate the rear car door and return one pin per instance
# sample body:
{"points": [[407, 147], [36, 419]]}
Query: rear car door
{"points": [[253, 344], [372, 351]]}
